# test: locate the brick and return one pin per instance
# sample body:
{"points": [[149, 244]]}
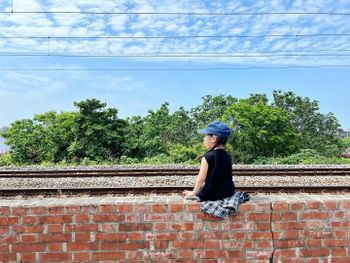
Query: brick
{"points": [[186, 235], [182, 227], [135, 227], [289, 216], [28, 248], [107, 256], [124, 208], [233, 244], [133, 245], [4, 230], [82, 246], [185, 253], [133, 255], [338, 252], [141, 208], [313, 215], [55, 228], [161, 244], [330, 205], [262, 226], [337, 243], [55, 210], [54, 257], [340, 214], [260, 235], [81, 218], [176, 208], [263, 244], [345, 204], [81, 256], [313, 204], [159, 208], [160, 226], [9, 239], [288, 243], [193, 207], [27, 257], [4, 248], [85, 228], [161, 236], [106, 208], [4, 211], [55, 219], [29, 238], [314, 243], [132, 218], [318, 234], [288, 225], [285, 253], [19, 211], [154, 217], [319, 252], [54, 247], [187, 244], [82, 237], [107, 218], [212, 244], [29, 220], [39, 210], [156, 256], [297, 206], [257, 217], [73, 209], [265, 254], [55, 238], [9, 220], [5, 257], [110, 237], [246, 207], [90, 209], [279, 206]]}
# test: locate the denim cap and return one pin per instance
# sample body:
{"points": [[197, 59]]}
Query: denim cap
{"points": [[217, 128]]}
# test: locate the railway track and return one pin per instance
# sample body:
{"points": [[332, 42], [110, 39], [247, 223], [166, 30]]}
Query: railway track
{"points": [[137, 174], [47, 173]]}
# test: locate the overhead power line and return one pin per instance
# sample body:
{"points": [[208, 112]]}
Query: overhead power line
{"points": [[13, 11], [175, 69], [181, 55], [185, 36]]}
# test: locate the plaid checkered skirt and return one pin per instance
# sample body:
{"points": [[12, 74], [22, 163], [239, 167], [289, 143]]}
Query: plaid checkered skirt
{"points": [[225, 207]]}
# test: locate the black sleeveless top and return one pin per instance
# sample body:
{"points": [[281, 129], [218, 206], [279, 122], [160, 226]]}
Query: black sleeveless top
{"points": [[218, 183]]}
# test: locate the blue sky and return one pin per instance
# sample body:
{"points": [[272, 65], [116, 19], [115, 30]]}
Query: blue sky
{"points": [[268, 41]]}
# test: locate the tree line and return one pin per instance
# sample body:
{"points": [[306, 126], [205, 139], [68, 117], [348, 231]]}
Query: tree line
{"points": [[288, 126]]}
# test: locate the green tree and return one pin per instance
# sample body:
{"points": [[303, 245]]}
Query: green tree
{"points": [[315, 130], [212, 108], [98, 132], [259, 130], [29, 142]]}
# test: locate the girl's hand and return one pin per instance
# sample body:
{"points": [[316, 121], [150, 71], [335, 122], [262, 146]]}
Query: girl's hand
{"points": [[187, 194]]}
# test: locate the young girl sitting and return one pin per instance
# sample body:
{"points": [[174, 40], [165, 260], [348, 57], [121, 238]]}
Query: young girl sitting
{"points": [[216, 174]]}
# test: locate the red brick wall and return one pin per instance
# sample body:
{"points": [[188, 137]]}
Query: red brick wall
{"points": [[161, 229]]}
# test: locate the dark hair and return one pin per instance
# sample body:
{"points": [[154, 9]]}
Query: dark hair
{"points": [[219, 141]]}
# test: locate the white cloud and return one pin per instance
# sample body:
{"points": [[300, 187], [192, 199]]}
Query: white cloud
{"points": [[154, 25]]}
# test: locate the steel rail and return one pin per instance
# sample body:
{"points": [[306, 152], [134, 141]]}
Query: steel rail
{"points": [[165, 190], [56, 173]]}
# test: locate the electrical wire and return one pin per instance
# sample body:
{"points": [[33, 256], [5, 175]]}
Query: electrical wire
{"points": [[174, 37], [171, 55], [175, 69], [179, 13]]}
